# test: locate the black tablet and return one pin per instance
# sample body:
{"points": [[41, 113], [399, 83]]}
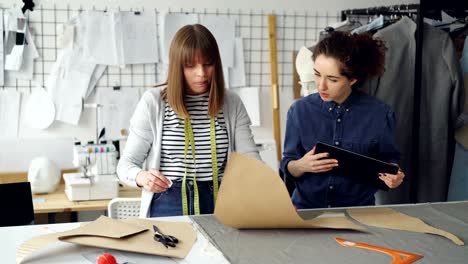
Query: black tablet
{"points": [[16, 204], [358, 167]]}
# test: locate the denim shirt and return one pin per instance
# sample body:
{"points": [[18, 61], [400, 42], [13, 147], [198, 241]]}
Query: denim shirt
{"points": [[362, 124]]}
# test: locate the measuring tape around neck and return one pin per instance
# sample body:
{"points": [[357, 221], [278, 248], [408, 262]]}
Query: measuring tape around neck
{"points": [[190, 140]]}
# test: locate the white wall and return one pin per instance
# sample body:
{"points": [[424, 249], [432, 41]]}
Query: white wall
{"points": [[86, 128]]}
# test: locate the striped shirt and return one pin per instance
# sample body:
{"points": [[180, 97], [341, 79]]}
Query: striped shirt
{"points": [[173, 142]]}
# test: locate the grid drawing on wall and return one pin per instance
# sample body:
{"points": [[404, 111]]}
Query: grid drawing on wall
{"points": [[294, 29]]}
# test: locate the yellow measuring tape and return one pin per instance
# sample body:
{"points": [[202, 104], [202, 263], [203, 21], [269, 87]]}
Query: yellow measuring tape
{"points": [[190, 140]]}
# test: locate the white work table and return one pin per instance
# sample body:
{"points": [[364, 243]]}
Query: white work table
{"points": [[63, 252]]}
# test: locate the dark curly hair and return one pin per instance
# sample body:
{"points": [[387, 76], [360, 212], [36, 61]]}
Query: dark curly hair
{"points": [[360, 55]]}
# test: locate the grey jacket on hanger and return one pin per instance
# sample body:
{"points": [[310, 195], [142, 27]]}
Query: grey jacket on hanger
{"points": [[442, 98], [441, 103], [396, 88]]}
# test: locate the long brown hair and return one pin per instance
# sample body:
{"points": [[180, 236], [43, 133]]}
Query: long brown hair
{"points": [[360, 55], [186, 43]]}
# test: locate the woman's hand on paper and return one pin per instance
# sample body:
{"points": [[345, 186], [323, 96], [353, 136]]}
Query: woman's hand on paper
{"points": [[392, 180], [153, 181]]}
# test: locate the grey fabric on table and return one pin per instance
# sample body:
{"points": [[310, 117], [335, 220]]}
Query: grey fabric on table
{"points": [[319, 246]]}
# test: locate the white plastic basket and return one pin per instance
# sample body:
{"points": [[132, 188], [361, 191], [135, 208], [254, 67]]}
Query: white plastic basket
{"points": [[123, 208]]}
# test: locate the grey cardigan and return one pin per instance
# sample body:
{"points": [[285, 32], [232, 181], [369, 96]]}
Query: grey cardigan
{"points": [[144, 140]]}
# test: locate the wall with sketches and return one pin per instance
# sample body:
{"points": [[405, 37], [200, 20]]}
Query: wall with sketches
{"points": [[298, 24]]}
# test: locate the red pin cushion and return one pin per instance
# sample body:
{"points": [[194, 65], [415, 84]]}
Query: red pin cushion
{"points": [[106, 259]]}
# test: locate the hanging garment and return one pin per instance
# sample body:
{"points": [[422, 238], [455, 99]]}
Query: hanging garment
{"points": [[374, 25], [348, 26], [458, 188], [396, 88], [441, 104], [442, 98]]}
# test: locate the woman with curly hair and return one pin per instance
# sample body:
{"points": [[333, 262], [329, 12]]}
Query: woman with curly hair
{"points": [[341, 115]]}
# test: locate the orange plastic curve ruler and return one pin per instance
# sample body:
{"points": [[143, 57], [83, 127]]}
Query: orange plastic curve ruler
{"points": [[399, 257]]}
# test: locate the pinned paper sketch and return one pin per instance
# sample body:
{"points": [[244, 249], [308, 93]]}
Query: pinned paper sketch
{"points": [[15, 29], [19, 50], [250, 96], [139, 37], [73, 77], [170, 23], [237, 71], [14, 59], [1, 49], [68, 83], [65, 35], [29, 54], [97, 73], [9, 113], [223, 29], [392, 219], [117, 107], [252, 195], [99, 38], [131, 235], [120, 38]]}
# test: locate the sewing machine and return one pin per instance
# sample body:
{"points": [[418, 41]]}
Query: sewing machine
{"points": [[97, 178]]}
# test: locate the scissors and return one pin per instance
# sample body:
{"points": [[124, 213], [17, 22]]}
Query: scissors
{"points": [[166, 240]]}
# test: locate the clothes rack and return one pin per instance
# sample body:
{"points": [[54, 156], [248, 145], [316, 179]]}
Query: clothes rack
{"points": [[425, 9], [411, 9]]}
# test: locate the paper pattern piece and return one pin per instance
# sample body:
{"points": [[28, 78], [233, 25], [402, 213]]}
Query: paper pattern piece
{"points": [[97, 73], [237, 71], [68, 83], [133, 235], [26, 71], [252, 195], [223, 29], [250, 96], [15, 26], [72, 77], [9, 113], [65, 36], [19, 59], [389, 218], [170, 24], [117, 107], [104, 227]]}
